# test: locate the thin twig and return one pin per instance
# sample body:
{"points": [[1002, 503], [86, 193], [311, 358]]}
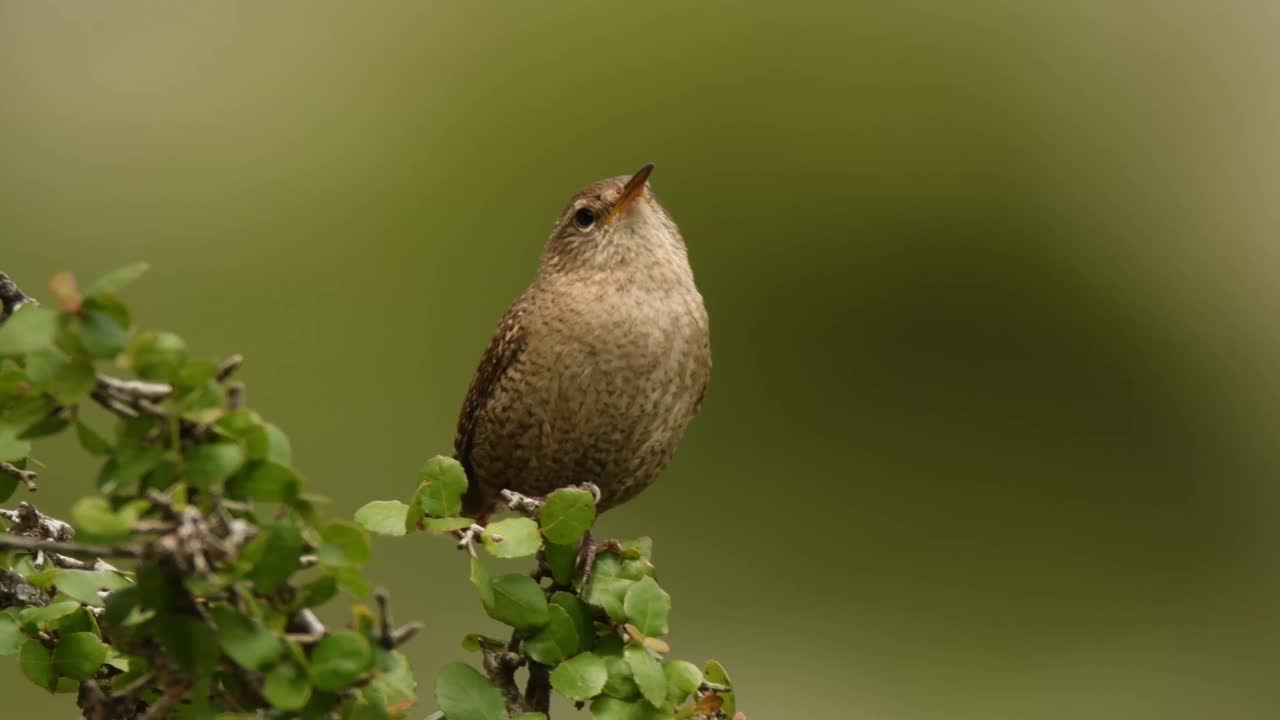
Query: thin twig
{"points": [[18, 542], [28, 477]]}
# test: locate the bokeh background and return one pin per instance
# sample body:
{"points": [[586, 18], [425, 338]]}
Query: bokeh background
{"points": [[993, 427]]}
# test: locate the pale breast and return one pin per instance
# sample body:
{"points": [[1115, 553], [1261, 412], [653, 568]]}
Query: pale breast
{"points": [[602, 392]]}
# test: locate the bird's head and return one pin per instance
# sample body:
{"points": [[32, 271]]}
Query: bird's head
{"points": [[614, 224]]}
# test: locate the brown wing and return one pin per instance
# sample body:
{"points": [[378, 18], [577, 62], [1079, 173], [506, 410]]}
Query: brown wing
{"points": [[505, 347]]}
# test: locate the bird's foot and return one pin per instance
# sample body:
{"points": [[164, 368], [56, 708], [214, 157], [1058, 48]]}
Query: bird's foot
{"points": [[467, 538], [587, 553], [523, 504], [593, 489]]}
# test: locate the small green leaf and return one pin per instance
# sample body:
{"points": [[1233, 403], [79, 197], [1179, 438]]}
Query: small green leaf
{"points": [[41, 617], [581, 616], [189, 643], [117, 279], [339, 660], [641, 547], [609, 708], [683, 678], [287, 686], [207, 464], [557, 641], [647, 606], [345, 545], [36, 663], [443, 484], [11, 637], [512, 538], [464, 694], [157, 355], [480, 578], [648, 674], [562, 559], [582, 677], [265, 482], [317, 592], [607, 593], [280, 546], [384, 517], [91, 441], [245, 640], [444, 525], [566, 515], [268, 442], [622, 682], [715, 672], [518, 601], [101, 336], [79, 655], [95, 516], [29, 330], [83, 585]]}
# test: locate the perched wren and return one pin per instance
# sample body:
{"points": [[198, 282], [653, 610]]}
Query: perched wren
{"points": [[597, 368]]}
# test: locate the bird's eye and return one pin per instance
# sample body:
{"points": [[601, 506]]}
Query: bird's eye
{"points": [[584, 218]]}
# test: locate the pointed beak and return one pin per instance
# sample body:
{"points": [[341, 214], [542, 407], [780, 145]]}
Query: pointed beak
{"points": [[632, 190]]}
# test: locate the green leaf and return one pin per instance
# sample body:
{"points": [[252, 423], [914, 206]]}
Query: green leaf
{"points": [[394, 680], [480, 578], [340, 659], [622, 682], [345, 545], [441, 526], [562, 559], [566, 515], [95, 516], [157, 355], [580, 615], [464, 694], [207, 464], [607, 590], [268, 442], [36, 663], [641, 547], [384, 517], [83, 585], [557, 641], [715, 672], [582, 677], [29, 330], [11, 637], [280, 546], [443, 484], [101, 336], [512, 538], [649, 676], [91, 441], [518, 601], [530, 716], [647, 606], [117, 279], [287, 686], [245, 640], [79, 655], [609, 708], [188, 643], [265, 482], [41, 617], [683, 678], [317, 592]]}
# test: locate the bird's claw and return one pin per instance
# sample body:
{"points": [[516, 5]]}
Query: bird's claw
{"points": [[467, 538], [593, 489], [522, 504]]}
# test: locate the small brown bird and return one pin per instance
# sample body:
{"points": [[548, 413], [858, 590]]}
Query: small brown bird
{"points": [[597, 368]]}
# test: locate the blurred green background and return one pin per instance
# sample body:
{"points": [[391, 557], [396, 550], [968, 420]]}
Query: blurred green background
{"points": [[993, 293]]}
